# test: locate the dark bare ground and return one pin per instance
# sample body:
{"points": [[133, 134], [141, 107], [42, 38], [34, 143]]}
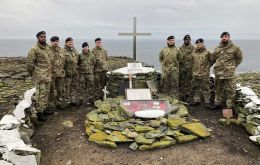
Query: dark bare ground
{"points": [[61, 145]]}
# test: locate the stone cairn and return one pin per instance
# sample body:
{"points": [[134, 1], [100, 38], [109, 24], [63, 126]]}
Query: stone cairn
{"points": [[247, 105], [109, 124], [15, 133]]}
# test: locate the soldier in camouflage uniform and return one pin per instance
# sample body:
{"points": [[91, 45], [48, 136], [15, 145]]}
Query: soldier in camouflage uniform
{"points": [[87, 62], [39, 64], [58, 74], [227, 56], [71, 72], [170, 58], [202, 61], [186, 69], [101, 67]]}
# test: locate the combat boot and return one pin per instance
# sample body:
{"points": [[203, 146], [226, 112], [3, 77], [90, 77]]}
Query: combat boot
{"points": [[41, 116], [49, 111]]}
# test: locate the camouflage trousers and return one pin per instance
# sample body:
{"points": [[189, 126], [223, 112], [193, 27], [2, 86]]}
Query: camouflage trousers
{"points": [[170, 83], [72, 89], [185, 79], [42, 96], [200, 89], [100, 80], [225, 91], [56, 96], [86, 86]]}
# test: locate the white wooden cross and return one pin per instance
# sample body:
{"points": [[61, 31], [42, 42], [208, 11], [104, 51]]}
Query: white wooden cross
{"points": [[134, 34], [105, 91]]}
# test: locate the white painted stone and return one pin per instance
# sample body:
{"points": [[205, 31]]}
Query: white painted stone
{"points": [[20, 160], [25, 103], [2, 162], [150, 113], [9, 122]]}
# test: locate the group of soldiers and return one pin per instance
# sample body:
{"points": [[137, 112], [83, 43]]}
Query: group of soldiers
{"points": [[62, 76], [186, 71]]}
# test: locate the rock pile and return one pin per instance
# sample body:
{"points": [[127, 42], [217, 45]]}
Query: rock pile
{"points": [[15, 134], [247, 105], [109, 125]]}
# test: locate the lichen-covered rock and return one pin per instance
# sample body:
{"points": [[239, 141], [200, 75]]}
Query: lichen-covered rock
{"points": [[107, 144], [98, 137], [182, 111], [117, 136], [158, 144], [134, 146], [154, 134], [142, 140], [186, 138], [155, 123], [140, 128], [175, 123], [198, 129]]}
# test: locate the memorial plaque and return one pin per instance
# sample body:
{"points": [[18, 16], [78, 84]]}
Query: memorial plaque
{"points": [[138, 94]]}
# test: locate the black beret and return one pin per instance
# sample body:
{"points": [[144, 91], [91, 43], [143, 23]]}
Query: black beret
{"points": [[170, 37], [84, 44], [68, 39], [224, 33], [54, 38], [200, 40], [40, 33], [186, 37], [97, 39]]}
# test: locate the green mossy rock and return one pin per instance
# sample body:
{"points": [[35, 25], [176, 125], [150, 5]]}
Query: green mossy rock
{"points": [[176, 122], [112, 126], [142, 140], [88, 131], [198, 129], [182, 111], [159, 144], [155, 123], [134, 146], [186, 138], [107, 144], [154, 134], [141, 129], [117, 136], [98, 137]]}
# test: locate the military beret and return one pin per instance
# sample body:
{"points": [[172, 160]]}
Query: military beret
{"points": [[224, 33], [68, 39], [186, 37], [40, 33], [97, 39], [84, 44], [54, 38], [200, 40], [170, 37]]}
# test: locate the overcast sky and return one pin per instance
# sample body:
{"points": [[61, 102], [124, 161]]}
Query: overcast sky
{"points": [[105, 18]]}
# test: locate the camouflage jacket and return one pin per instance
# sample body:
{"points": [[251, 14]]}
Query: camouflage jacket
{"points": [[58, 62], [71, 61], [202, 61], [87, 63], [39, 63], [226, 58], [101, 59], [187, 56], [170, 58]]}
